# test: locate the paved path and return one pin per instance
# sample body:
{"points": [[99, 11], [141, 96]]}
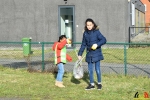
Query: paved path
{"points": [[113, 68], [106, 68]]}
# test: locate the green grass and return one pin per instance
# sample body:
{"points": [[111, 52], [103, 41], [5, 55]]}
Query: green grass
{"points": [[135, 55], [18, 83], [18, 54]]}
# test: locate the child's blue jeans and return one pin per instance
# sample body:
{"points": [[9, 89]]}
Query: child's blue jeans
{"points": [[97, 69], [60, 72]]}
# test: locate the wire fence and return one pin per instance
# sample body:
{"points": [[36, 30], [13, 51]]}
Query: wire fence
{"points": [[119, 58], [139, 34]]}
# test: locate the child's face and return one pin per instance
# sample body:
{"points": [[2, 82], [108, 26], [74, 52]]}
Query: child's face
{"points": [[89, 25]]}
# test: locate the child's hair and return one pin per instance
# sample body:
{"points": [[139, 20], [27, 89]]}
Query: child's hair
{"points": [[61, 37], [90, 20]]}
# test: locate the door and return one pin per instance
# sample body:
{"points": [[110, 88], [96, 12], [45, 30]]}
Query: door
{"points": [[66, 22]]}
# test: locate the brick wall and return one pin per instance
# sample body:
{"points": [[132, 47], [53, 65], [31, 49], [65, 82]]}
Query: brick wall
{"points": [[147, 12]]}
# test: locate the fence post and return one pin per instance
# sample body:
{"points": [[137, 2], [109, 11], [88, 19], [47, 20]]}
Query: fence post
{"points": [[125, 60], [43, 66], [129, 35]]}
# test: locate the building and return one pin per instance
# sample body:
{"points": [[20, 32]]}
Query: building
{"points": [[46, 20], [137, 18], [147, 11]]}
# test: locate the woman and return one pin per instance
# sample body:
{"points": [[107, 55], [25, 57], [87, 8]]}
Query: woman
{"points": [[92, 40]]}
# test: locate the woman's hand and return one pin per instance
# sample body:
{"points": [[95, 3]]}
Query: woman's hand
{"points": [[79, 57], [94, 46]]}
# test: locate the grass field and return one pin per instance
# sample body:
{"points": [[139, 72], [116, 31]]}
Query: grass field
{"points": [[18, 83], [136, 55]]}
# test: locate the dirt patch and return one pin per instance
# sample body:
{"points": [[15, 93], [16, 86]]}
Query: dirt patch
{"points": [[142, 37]]}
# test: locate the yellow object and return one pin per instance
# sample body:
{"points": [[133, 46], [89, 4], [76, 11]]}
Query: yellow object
{"points": [[94, 46], [69, 41]]}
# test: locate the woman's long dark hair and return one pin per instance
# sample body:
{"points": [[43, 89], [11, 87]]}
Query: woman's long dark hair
{"points": [[61, 37], [90, 20]]}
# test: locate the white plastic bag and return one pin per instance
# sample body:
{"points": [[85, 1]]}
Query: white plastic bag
{"points": [[78, 70]]}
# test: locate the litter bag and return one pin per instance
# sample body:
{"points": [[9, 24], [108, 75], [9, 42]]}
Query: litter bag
{"points": [[78, 70]]}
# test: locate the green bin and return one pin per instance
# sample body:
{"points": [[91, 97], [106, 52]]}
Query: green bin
{"points": [[26, 46]]}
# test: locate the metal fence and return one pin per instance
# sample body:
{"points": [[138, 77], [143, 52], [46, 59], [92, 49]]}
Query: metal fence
{"points": [[119, 58], [139, 34]]}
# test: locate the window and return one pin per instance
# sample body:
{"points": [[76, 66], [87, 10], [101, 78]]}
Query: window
{"points": [[66, 22]]}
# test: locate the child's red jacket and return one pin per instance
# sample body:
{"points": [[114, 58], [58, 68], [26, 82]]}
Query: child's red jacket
{"points": [[60, 45]]}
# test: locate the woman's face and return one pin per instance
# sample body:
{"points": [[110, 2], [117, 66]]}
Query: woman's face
{"points": [[89, 25]]}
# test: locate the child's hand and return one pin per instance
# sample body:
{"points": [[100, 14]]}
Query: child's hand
{"points": [[94, 46], [69, 41]]}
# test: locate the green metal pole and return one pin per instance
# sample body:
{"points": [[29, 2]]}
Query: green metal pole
{"points": [[125, 60], [43, 66]]}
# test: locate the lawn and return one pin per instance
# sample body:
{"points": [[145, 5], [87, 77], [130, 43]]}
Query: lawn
{"points": [[18, 83], [134, 55]]}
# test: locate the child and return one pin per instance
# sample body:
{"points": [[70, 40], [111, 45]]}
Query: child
{"points": [[60, 58], [92, 40]]}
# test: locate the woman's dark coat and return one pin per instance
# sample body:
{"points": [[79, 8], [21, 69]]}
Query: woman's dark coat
{"points": [[90, 38]]}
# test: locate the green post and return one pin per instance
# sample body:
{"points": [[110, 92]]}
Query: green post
{"points": [[26, 46], [43, 66], [125, 60]]}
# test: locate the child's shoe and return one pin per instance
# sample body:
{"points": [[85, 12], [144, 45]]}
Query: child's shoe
{"points": [[59, 84]]}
